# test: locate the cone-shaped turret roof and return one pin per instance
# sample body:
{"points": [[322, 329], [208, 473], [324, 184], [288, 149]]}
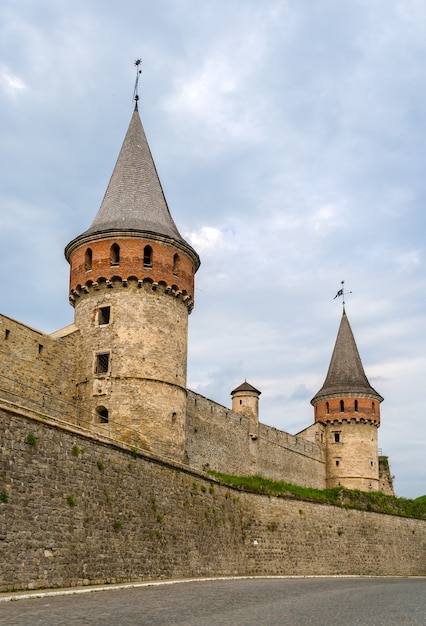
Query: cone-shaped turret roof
{"points": [[134, 203], [245, 386], [345, 374]]}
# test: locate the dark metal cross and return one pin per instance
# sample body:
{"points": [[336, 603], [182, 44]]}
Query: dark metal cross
{"points": [[138, 72]]}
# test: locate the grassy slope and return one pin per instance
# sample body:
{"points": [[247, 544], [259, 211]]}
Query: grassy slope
{"points": [[339, 496]]}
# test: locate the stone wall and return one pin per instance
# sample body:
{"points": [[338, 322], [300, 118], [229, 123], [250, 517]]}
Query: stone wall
{"points": [[219, 438], [352, 458], [76, 510], [143, 386], [38, 369]]}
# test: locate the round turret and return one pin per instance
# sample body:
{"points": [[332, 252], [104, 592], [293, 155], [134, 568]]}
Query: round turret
{"points": [[245, 400], [349, 407], [132, 287]]}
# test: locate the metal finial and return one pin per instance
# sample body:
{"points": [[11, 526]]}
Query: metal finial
{"points": [[135, 91], [342, 293]]}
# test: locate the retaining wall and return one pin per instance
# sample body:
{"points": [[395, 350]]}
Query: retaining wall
{"points": [[83, 511]]}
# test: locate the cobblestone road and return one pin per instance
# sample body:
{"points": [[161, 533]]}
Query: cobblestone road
{"points": [[251, 602]]}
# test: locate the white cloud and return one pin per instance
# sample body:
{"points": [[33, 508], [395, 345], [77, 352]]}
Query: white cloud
{"points": [[11, 83]]}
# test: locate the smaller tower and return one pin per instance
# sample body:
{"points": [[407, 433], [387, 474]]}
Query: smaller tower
{"points": [[349, 408], [245, 400]]}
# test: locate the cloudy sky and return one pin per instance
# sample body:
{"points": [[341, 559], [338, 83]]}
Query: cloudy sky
{"points": [[289, 136]]}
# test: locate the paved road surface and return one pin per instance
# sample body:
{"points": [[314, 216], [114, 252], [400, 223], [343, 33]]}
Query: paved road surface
{"points": [[252, 602]]}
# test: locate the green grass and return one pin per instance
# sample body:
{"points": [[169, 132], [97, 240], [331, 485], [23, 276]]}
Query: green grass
{"points": [[338, 496], [31, 439], [71, 501]]}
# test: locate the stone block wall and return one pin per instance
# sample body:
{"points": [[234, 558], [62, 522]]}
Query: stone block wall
{"points": [[219, 438], [76, 510], [290, 458], [37, 369], [143, 386]]}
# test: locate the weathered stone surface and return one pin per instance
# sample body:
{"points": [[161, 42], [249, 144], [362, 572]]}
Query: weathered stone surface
{"points": [[80, 511]]}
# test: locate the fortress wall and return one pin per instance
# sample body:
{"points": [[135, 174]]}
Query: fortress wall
{"points": [[216, 437], [82, 511], [36, 366], [290, 458], [219, 438]]}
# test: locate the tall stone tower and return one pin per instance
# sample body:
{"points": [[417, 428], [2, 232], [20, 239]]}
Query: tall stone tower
{"points": [[132, 287], [349, 408]]}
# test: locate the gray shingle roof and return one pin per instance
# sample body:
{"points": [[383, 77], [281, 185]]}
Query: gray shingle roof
{"points": [[345, 374], [134, 203], [245, 386]]}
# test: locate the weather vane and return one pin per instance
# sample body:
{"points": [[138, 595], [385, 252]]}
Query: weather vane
{"points": [[342, 293], [138, 73]]}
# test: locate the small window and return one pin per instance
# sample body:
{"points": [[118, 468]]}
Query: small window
{"points": [[147, 256], [88, 259], [241, 401], [40, 348], [6, 333], [342, 406], [337, 462], [102, 414], [336, 437], [104, 315], [102, 363], [176, 262], [327, 408], [373, 408], [356, 406], [115, 254], [371, 463]]}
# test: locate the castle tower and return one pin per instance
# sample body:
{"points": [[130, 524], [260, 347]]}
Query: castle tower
{"points": [[245, 400], [349, 407], [132, 287]]}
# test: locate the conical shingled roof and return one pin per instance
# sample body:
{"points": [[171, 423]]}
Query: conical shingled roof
{"points": [[245, 386], [134, 203], [345, 374]]}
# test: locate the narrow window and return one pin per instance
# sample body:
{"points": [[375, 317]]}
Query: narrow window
{"points": [[88, 259], [336, 437], [102, 363], [147, 256], [104, 315], [241, 401], [373, 408], [40, 348], [6, 333], [342, 406], [115, 254], [371, 463], [176, 264], [356, 406], [327, 408], [102, 414], [337, 462]]}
